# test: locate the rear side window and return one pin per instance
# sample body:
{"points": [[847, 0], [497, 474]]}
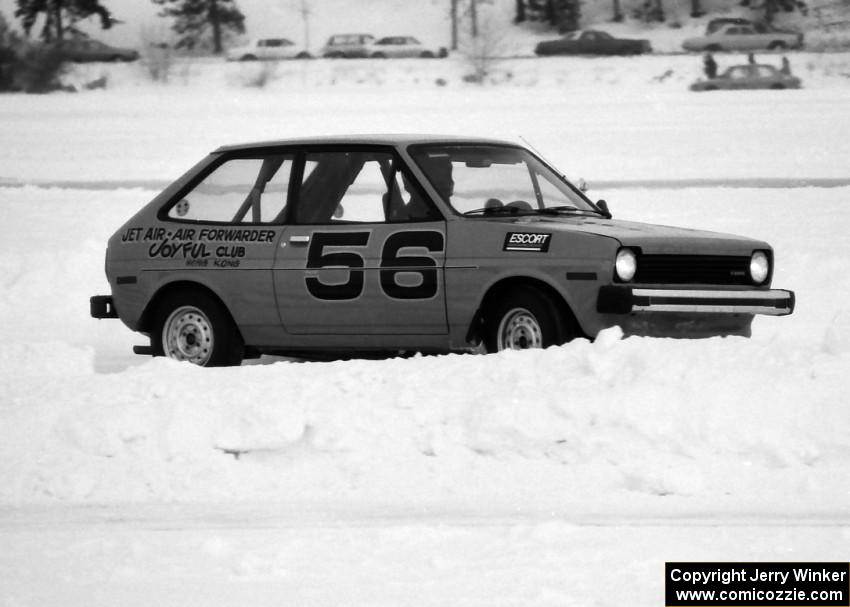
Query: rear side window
{"points": [[239, 191]]}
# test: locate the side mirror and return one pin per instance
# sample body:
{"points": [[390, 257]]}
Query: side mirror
{"points": [[603, 206], [581, 184]]}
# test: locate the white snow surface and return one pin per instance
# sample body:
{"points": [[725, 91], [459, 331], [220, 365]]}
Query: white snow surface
{"points": [[557, 477]]}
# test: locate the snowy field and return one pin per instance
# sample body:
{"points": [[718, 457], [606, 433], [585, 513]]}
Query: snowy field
{"points": [[558, 477]]}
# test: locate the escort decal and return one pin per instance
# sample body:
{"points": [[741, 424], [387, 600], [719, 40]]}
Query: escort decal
{"points": [[527, 241]]}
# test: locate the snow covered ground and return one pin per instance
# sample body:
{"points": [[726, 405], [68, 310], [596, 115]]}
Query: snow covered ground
{"points": [[558, 477]]}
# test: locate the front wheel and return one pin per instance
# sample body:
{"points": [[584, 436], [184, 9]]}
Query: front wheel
{"points": [[524, 320], [195, 327]]}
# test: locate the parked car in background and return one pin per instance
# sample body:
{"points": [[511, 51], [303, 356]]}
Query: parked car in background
{"points": [[336, 246], [86, 50], [748, 76], [267, 49], [592, 42], [348, 45], [404, 46], [743, 38], [759, 26]]}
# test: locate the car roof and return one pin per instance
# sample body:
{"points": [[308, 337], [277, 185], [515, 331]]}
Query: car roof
{"points": [[394, 139]]}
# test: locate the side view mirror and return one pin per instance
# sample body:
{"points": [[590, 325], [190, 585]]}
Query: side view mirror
{"points": [[581, 184], [603, 206]]}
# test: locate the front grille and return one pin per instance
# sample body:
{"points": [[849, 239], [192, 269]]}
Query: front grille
{"points": [[693, 269]]}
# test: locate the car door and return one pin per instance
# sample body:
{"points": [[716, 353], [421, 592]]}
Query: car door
{"points": [[740, 77], [587, 43], [355, 257]]}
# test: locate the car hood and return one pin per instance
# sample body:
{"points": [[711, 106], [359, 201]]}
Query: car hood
{"points": [[650, 238]]}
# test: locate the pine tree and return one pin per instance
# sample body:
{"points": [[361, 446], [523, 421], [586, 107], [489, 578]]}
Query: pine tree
{"points": [[195, 18], [60, 16], [563, 14]]}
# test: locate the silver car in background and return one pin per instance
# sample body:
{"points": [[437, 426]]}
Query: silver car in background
{"points": [[348, 45], [744, 38], [405, 46]]}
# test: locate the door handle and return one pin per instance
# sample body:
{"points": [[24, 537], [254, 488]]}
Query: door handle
{"points": [[299, 239]]}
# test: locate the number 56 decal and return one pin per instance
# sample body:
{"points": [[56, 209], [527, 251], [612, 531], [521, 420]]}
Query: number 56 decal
{"points": [[392, 264]]}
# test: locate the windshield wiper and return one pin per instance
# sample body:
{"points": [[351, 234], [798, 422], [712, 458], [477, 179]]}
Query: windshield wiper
{"points": [[505, 210], [564, 208]]}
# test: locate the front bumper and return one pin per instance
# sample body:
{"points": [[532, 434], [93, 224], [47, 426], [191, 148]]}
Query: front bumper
{"points": [[625, 300]]}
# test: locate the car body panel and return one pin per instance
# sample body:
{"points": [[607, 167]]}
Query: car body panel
{"points": [[392, 47], [317, 258], [265, 49], [592, 42], [348, 46], [748, 77], [87, 50], [734, 37]]}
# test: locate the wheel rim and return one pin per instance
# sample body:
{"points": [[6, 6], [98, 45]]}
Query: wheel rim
{"points": [[187, 335], [519, 330]]}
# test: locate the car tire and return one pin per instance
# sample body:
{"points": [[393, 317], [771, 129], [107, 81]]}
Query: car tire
{"points": [[193, 326], [523, 320], [303, 55], [248, 58], [714, 48], [379, 56], [427, 55], [777, 45]]}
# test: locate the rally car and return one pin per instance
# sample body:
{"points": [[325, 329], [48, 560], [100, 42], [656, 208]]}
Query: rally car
{"points": [[375, 244]]}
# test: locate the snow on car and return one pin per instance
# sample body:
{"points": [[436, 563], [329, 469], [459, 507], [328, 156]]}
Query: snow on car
{"points": [[410, 243]]}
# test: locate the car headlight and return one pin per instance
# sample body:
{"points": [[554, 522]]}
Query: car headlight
{"points": [[625, 265], [759, 267]]}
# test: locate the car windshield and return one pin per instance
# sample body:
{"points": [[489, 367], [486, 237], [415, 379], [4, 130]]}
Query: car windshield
{"points": [[490, 180]]}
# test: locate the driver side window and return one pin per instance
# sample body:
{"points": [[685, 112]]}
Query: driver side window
{"points": [[358, 187]]}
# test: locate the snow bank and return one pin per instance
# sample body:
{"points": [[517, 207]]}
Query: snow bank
{"points": [[662, 425]]}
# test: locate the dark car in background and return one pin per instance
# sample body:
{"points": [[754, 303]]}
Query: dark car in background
{"points": [[86, 50], [592, 42]]}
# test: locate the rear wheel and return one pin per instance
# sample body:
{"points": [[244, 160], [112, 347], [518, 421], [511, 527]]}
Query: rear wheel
{"points": [[777, 45], [525, 319], [193, 326]]}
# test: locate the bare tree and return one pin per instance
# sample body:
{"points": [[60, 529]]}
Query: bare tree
{"points": [[486, 49], [303, 9], [618, 11]]}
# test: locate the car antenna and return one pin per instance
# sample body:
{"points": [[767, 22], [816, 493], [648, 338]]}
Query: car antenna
{"points": [[539, 155]]}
